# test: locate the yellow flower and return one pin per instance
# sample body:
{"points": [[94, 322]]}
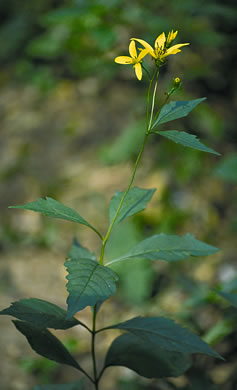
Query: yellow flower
{"points": [[162, 49], [134, 60], [171, 36]]}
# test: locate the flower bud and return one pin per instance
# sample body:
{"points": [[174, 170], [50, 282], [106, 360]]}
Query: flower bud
{"points": [[176, 82]]}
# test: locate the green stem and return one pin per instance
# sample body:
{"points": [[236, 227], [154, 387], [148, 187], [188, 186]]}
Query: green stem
{"points": [[84, 326], [104, 242], [153, 102], [93, 348], [105, 239], [87, 375], [165, 101], [121, 201], [148, 98], [101, 373]]}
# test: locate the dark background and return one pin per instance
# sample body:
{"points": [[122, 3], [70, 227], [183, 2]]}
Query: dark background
{"points": [[71, 124]]}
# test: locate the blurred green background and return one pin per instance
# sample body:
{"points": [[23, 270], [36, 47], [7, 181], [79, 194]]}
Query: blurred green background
{"points": [[71, 124]]}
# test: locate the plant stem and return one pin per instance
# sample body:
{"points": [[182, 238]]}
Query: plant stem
{"points": [[164, 102], [93, 348], [148, 98], [104, 242], [122, 200], [153, 103], [106, 237]]}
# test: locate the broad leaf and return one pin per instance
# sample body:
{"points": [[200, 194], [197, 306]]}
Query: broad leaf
{"points": [[88, 283], [185, 139], [166, 334], [46, 344], [175, 110], [135, 201], [77, 251], [52, 208], [39, 313], [168, 248], [135, 353], [227, 168], [232, 298], [78, 385]]}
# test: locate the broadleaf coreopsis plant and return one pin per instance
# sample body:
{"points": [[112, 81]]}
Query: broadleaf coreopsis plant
{"points": [[153, 347]]}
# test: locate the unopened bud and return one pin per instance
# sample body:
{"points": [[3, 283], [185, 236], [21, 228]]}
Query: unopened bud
{"points": [[176, 82]]}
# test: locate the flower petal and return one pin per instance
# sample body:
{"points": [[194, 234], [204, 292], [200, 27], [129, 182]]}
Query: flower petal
{"points": [[160, 41], [138, 71], [146, 45], [142, 54], [175, 49], [123, 60], [132, 49]]}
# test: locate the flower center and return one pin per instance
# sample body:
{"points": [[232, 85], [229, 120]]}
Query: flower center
{"points": [[160, 53]]}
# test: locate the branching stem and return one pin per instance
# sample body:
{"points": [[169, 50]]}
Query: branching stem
{"points": [[106, 237], [93, 348]]}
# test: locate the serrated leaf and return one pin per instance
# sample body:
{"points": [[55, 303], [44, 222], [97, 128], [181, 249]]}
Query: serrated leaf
{"points": [[166, 334], [232, 298], [135, 201], [78, 385], [88, 283], [40, 313], [46, 344], [129, 351], [52, 208], [185, 139], [175, 110], [77, 251], [169, 248]]}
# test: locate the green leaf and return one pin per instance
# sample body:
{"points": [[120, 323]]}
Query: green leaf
{"points": [[52, 208], [175, 110], [135, 201], [46, 344], [166, 334], [88, 283], [169, 248], [227, 169], [78, 385], [232, 298], [40, 313], [77, 251], [185, 139], [129, 351], [218, 331]]}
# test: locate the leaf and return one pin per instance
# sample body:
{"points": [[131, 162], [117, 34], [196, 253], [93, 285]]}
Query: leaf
{"points": [[129, 351], [166, 334], [78, 251], [52, 208], [185, 139], [232, 298], [88, 283], [227, 169], [175, 110], [78, 385], [46, 344], [169, 248], [40, 313], [135, 201]]}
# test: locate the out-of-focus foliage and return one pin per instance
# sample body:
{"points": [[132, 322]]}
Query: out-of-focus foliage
{"points": [[78, 38], [47, 49]]}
